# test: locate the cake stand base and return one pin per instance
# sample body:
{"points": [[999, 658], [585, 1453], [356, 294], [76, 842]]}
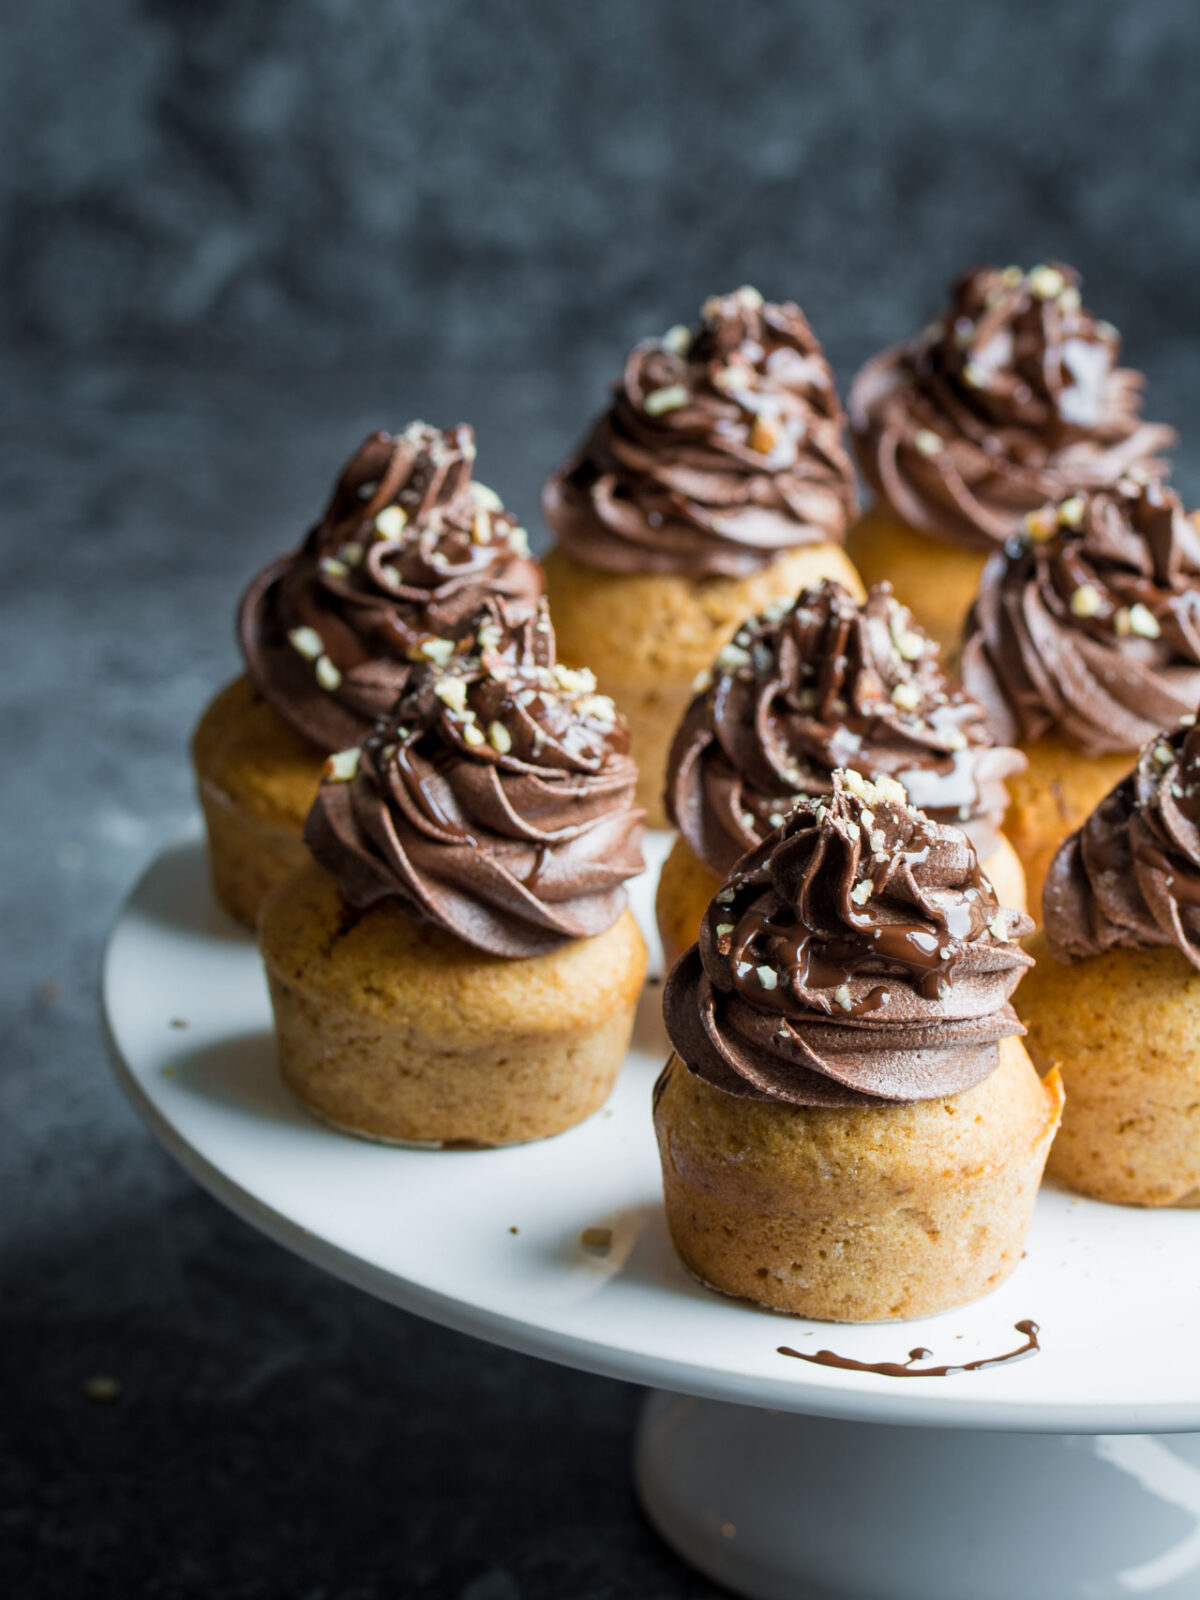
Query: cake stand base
{"points": [[783, 1507]]}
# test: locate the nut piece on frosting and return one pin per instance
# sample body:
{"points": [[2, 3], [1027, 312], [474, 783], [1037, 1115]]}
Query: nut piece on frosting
{"points": [[1013, 398], [408, 547], [858, 956], [722, 447], [818, 683], [1087, 623], [496, 799]]}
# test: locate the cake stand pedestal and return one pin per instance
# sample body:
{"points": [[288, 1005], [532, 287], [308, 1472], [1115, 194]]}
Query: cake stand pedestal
{"points": [[1071, 1475]]}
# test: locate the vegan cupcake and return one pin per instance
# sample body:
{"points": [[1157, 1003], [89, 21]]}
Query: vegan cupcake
{"points": [[408, 547], [716, 482], [1011, 400], [1084, 642], [1115, 1004], [850, 1128], [804, 688], [458, 963]]}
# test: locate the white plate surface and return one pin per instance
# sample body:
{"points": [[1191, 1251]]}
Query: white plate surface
{"points": [[1116, 1292]]}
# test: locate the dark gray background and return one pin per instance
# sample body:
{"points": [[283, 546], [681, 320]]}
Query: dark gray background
{"points": [[236, 237]]}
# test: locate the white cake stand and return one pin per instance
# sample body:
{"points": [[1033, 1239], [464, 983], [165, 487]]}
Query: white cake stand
{"points": [[1071, 1475]]}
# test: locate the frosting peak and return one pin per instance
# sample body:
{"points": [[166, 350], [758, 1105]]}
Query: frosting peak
{"points": [[1088, 624], [818, 683], [1131, 875], [1012, 398], [857, 955], [722, 447], [496, 799], [408, 547]]}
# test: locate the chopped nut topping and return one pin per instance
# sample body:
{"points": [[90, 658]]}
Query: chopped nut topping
{"points": [[488, 498], [907, 696], [471, 734], [1046, 282], [481, 528], [391, 522], [1143, 622], [575, 681], [1070, 511], [1163, 754], [307, 641], [841, 996], [763, 436], [438, 651], [341, 766], [328, 675], [452, 691], [974, 377], [862, 892], [702, 681], [499, 738], [998, 927], [333, 568], [490, 636], [1041, 525], [678, 340], [767, 976], [659, 401], [928, 442], [723, 928], [351, 553], [732, 656], [910, 645], [1086, 601]]}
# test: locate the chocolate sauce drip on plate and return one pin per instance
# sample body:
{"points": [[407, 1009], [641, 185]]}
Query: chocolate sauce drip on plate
{"points": [[909, 1369]]}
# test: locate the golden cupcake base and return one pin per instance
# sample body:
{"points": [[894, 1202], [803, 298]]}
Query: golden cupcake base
{"points": [[257, 779], [936, 579], [647, 635], [861, 1214], [401, 1032], [1123, 1028]]}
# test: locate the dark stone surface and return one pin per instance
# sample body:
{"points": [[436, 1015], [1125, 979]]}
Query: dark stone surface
{"points": [[236, 237]]}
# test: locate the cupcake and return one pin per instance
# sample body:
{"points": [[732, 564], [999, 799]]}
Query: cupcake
{"points": [[1013, 399], [1085, 641], [716, 482], [1116, 1002], [406, 550], [808, 686], [457, 964], [850, 1128]]}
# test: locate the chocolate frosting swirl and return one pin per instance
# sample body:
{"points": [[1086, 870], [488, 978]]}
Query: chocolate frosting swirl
{"points": [[722, 447], [407, 549], [818, 683], [1013, 398], [496, 800], [1131, 875], [1089, 623], [857, 956]]}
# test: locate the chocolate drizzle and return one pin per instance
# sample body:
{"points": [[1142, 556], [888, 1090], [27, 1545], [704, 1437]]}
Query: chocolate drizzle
{"points": [[722, 447], [407, 549], [857, 956], [1012, 399], [496, 800], [1088, 624], [819, 683], [1130, 877], [909, 1368]]}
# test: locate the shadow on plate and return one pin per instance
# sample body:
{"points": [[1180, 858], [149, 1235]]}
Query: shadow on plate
{"points": [[240, 1071], [176, 893]]}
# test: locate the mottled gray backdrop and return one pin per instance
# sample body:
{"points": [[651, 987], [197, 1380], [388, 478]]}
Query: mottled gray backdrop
{"points": [[236, 236]]}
